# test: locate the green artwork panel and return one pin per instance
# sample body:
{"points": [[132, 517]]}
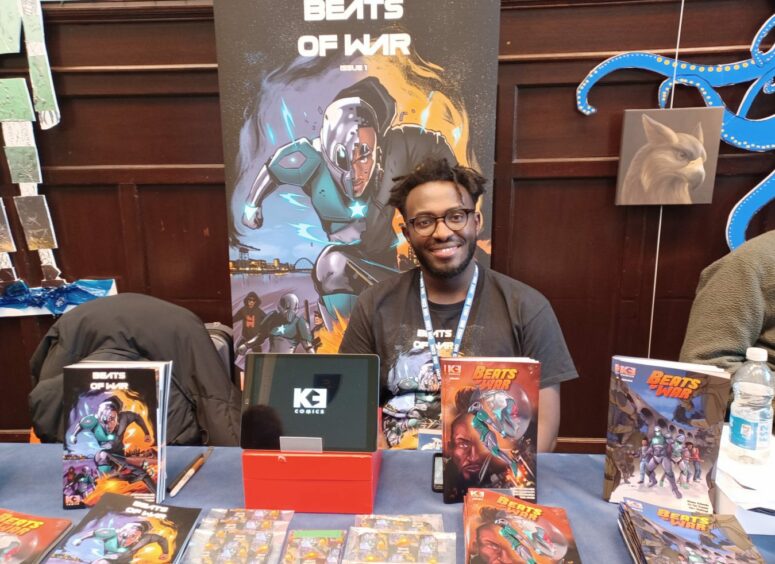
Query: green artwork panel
{"points": [[33, 25], [15, 103], [43, 89], [23, 163], [10, 26]]}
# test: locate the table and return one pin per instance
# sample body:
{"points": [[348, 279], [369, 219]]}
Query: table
{"points": [[31, 478]]}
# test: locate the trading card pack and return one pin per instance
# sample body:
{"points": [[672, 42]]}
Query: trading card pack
{"points": [[503, 528], [233, 536], [664, 429], [423, 523], [378, 546], [490, 423], [314, 547]]}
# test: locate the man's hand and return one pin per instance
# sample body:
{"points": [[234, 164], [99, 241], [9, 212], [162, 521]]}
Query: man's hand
{"points": [[548, 417]]}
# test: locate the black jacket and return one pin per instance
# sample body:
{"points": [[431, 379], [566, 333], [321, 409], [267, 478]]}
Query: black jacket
{"points": [[204, 404]]}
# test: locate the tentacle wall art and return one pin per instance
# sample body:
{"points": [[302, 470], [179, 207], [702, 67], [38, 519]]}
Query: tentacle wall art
{"points": [[738, 129]]}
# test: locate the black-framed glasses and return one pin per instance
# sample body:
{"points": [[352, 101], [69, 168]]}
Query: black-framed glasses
{"points": [[425, 223]]}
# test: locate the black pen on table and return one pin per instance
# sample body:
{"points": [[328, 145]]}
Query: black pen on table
{"points": [[189, 472]]}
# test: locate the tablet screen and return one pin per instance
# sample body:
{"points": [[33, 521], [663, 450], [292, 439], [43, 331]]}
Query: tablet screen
{"points": [[334, 397]]}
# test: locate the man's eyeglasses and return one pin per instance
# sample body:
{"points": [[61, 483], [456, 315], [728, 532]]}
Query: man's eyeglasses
{"points": [[425, 223]]}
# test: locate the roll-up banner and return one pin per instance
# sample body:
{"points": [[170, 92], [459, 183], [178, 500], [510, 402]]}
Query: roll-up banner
{"points": [[323, 103]]}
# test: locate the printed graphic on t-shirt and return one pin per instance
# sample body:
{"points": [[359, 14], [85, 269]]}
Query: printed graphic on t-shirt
{"points": [[416, 387]]}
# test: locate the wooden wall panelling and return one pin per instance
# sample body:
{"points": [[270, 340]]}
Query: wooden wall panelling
{"points": [[134, 173], [185, 244], [556, 173]]}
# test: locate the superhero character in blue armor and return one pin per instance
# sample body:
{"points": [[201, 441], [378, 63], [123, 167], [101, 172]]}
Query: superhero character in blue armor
{"points": [[484, 425], [120, 545], [347, 174], [510, 534], [108, 427]]}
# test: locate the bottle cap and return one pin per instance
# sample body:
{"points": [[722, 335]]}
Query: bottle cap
{"points": [[756, 354]]}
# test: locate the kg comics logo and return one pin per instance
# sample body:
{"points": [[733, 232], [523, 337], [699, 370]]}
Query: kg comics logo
{"points": [[310, 401], [624, 371], [452, 369]]}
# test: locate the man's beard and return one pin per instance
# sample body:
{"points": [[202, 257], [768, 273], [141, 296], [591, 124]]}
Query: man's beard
{"points": [[451, 273]]}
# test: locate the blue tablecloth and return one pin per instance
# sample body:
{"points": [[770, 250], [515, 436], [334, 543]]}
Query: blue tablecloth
{"points": [[31, 478]]}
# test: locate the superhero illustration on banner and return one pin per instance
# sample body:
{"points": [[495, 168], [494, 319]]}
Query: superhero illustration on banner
{"points": [[323, 104]]}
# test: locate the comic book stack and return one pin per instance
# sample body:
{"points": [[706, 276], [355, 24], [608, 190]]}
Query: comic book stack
{"points": [[26, 539], [121, 528], [664, 430], [399, 538], [115, 431], [239, 535], [503, 528], [490, 414], [657, 534]]}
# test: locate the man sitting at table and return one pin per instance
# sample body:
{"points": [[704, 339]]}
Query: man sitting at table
{"points": [[471, 309]]}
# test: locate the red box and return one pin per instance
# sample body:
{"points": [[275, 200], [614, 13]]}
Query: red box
{"points": [[311, 482]]}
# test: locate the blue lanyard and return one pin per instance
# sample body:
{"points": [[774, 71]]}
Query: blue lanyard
{"points": [[461, 325]]}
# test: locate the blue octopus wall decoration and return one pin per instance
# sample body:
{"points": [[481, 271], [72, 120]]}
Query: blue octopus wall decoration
{"points": [[737, 129]]}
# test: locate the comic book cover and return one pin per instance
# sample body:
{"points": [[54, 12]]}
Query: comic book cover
{"points": [[314, 547], [114, 431], [502, 528], [664, 429], [384, 546], [656, 534], [489, 412], [323, 104], [121, 528], [234, 536], [26, 539]]}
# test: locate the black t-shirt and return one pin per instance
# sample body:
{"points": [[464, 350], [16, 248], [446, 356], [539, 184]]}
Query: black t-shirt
{"points": [[508, 319]]}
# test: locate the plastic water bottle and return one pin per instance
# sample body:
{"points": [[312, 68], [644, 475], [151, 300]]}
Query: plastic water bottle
{"points": [[750, 420]]}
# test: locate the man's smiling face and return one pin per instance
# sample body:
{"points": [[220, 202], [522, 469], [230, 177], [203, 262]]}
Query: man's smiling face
{"points": [[444, 253]]}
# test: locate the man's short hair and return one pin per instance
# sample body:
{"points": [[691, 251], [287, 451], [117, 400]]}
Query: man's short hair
{"points": [[435, 170]]}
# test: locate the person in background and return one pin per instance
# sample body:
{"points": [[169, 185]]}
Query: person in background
{"points": [[734, 307]]}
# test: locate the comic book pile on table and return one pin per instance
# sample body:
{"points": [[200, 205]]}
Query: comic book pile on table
{"points": [[26, 539], [659, 535], [490, 424], [120, 528], [115, 431], [664, 430], [239, 535], [503, 528]]}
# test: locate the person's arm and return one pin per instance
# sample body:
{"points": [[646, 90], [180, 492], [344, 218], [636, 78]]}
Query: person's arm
{"points": [[726, 316], [544, 342], [358, 337], [548, 417]]}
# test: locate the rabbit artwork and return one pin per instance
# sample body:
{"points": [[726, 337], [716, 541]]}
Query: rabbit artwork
{"points": [[667, 170]]}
